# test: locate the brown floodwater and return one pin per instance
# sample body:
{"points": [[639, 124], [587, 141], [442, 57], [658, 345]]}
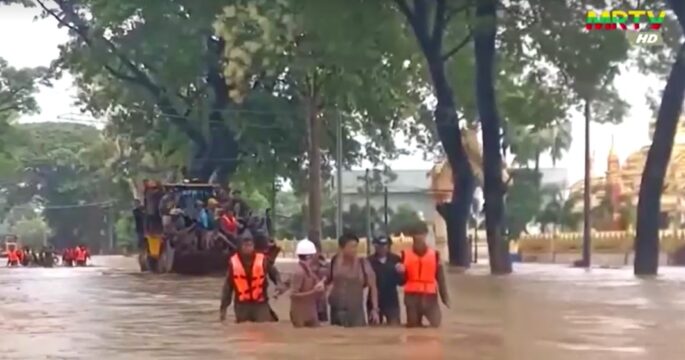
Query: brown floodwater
{"points": [[541, 312]]}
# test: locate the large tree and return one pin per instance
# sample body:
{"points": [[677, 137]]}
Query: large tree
{"points": [[17, 90], [61, 175], [494, 186], [153, 65], [431, 23], [357, 77], [658, 157]]}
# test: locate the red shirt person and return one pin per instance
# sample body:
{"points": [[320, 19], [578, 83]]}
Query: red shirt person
{"points": [[81, 255], [14, 256]]}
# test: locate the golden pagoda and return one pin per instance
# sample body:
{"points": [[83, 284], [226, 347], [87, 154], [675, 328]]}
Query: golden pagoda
{"points": [[442, 180], [621, 183], [441, 173]]}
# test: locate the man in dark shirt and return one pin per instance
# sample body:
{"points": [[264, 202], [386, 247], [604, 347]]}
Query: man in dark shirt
{"points": [[383, 262]]}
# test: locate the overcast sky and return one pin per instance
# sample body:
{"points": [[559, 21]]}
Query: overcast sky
{"points": [[26, 42]]}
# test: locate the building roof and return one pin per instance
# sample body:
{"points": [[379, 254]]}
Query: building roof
{"points": [[406, 181], [418, 181], [557, 177]]}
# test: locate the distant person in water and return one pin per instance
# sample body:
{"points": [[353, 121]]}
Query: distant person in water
{"points": [[14, 256], [81, 255], [139, 221], [68, 257], [246, 284]]}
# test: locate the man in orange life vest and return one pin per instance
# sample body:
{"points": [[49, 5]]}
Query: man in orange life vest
{"points": [[246, 280], [14, 256], [424, 280], [81, 255]]}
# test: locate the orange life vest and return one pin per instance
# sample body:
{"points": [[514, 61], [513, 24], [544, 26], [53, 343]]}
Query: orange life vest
{"points": [[420, 272], [80, 254], [13, 255], [249, 289]]}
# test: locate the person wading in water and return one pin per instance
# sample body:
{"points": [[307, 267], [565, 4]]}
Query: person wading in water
{"points": [[383, 262], [306, 287], [246, 280], [424, 279], [348, 276]]}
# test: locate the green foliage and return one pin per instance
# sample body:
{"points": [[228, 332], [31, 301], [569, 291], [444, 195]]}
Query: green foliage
{"points": [[561, 212], [290, 218], [31, 232], [124, 231], [358, 72], [17, 90], [523, 201], [403, 218], [61, 170]]}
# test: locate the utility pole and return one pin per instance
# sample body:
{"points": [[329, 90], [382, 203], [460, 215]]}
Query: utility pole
{"points": [[338, 174], [314, 127], [368, 212], [587, 230], [110, 226], [385, 207]]}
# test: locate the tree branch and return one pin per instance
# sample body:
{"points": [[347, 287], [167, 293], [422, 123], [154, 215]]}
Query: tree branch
{"points": [[439, 23], [120, 75], [452, 12], [404, 9], [76, 24], [421, 18], [9, 108], [459, 46]]}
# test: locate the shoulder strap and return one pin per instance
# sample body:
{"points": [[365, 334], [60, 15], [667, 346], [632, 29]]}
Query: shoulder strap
{"points": [[437, 263], [330, 277], [364, 261], [402, 256]]}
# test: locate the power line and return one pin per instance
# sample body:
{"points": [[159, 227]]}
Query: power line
{"points": [[70, 206], [251, 124]]}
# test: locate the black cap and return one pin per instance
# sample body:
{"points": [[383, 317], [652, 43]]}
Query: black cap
{"points": [[382, 240]]}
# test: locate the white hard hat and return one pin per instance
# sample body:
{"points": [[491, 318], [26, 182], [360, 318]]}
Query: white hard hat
{"points": [[305, 247]]}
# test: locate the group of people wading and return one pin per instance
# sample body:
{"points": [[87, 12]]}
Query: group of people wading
{"points": [[321, 291], [76, 256]]}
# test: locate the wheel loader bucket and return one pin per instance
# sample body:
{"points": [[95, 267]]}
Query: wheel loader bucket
{"points": [[154, 244]]}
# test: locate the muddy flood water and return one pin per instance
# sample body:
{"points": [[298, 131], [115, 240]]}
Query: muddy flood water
{"points": [[544, 312]]}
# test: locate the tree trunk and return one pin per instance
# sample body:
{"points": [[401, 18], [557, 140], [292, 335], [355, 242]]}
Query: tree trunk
{"points": [[493, 189], [314, 188], [587, 188], [219, 155], [456, 213], [651, 186]]}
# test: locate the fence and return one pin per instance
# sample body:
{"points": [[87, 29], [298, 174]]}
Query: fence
{"points": [[533, 247]]}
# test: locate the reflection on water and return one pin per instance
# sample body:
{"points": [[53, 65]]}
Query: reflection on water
{"points": [[541, 312]]}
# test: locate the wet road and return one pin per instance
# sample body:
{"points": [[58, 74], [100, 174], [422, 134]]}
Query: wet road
{"points": [[542, 312]]}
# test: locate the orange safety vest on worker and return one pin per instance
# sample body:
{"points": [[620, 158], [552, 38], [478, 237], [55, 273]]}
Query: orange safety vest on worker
{"points": [[420, 272], [14, 255], [252, 289], [80, 254]]}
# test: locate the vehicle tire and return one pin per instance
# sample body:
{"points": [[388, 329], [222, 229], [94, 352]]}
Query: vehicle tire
{"points": [[142, 261]]}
